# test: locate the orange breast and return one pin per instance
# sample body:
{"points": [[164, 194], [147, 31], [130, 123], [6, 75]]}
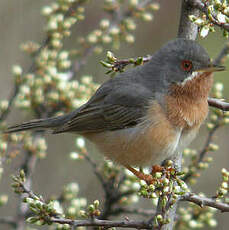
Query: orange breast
{"points": [[187, 105]]}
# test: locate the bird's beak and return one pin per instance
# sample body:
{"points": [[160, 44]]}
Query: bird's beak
{"points": [[211, 68]]}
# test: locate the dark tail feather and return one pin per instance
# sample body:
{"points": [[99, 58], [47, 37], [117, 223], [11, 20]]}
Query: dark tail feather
{"points": [[40, 124]]}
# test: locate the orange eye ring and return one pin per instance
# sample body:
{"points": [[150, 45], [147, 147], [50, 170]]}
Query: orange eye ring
{"points": [[186, 65]]}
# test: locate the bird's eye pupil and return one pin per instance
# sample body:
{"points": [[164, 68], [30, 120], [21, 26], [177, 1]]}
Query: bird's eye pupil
{"points": [[186, 65]]}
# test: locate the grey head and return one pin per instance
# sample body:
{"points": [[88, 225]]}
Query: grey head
{"points": [[180, 59]]}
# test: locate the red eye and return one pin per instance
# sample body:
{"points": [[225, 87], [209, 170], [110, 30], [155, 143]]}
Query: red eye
{"points": [[186, 65]]}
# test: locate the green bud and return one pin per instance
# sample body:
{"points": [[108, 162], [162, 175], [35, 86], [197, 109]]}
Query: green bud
{"points": [[32, 220], [91, 208], [3, 200], [111, 57], [158, 175], [96, 204], [106, 64]]}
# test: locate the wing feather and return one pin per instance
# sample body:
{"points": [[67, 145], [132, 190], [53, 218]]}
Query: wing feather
{"points": [[119, 108]]}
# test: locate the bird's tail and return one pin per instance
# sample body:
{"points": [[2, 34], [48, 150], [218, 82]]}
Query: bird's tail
{"points": [[40, 124]]}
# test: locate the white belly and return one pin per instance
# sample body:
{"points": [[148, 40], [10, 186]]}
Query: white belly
{"points": [[132, 147]]}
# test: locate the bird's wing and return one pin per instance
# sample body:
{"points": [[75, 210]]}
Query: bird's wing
{"points": [[113, 107]]}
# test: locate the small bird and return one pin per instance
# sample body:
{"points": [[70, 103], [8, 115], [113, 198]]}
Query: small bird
{"points": [[147, 114]]}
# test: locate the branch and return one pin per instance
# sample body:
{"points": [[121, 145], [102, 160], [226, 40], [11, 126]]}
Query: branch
{"points": [[96, 171], [28, 166], [204, 201], [187, 29], [5, 113], [103, 223], [217, 103], [222, 55], [32, 68], [202, 153], [116, 20]]}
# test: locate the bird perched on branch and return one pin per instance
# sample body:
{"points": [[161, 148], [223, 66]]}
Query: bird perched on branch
{"points": [[146, 114]]}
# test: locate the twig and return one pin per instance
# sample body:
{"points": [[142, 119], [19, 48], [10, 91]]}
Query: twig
{"points": [[112, 194], [5, 113], [103, 223], [116, 19], [217, 103], [204, 201], [222, 55], [202, 152], [28, 166], [96, 171], [32, 68]]}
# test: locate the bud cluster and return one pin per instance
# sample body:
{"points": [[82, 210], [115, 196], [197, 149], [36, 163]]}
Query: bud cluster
{"points": [[217, 13], [224, 186], [195, 217], [120, 28]]}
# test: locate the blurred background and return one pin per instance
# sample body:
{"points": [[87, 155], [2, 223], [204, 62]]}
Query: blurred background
{"points": [[21, 21]]}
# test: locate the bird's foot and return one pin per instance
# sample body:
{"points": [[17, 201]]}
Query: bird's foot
{"points": [[157, 168], [167, 170]]}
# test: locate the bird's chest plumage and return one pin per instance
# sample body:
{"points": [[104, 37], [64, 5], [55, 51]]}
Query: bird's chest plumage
{"points": [[186, 105], [176, 122], [163, 131]]}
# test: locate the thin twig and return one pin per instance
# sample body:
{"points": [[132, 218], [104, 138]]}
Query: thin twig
{"points": [[32, 68], [116, 20], [103, 223], [96, 171], [220, 59], [112, 194], [5, 113], [219, 104], [203, 152], [204, 201], [28, 166]]}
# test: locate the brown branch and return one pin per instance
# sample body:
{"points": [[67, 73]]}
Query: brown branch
{"points": [[103, 223], [204, 201]]}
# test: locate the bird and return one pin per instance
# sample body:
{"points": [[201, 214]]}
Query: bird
{"points": [[146, 114]]}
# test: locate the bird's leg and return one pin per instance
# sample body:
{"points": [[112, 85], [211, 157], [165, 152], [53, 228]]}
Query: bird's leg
{"points": [[142, 176]]}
